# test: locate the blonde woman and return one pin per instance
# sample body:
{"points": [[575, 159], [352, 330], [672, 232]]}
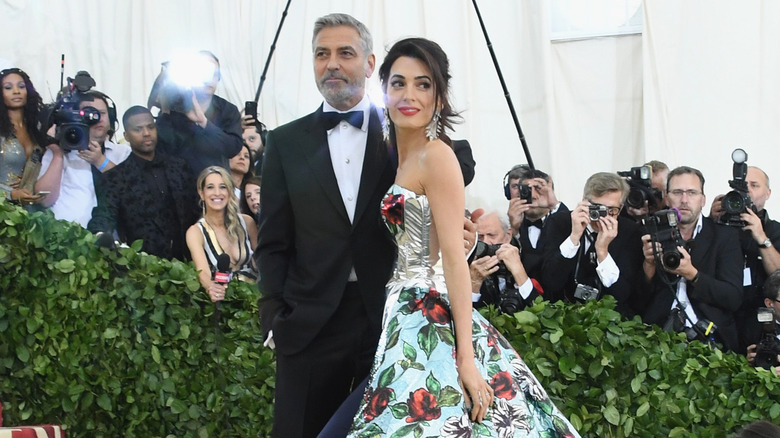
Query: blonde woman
{"points": [[221, 229]]}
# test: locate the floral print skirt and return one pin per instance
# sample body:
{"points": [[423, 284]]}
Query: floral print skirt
{"points": [[413, 388]]}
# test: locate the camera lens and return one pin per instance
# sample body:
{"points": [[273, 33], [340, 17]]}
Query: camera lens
{"points": [[636, 198], [733, 203], [671, 259]]}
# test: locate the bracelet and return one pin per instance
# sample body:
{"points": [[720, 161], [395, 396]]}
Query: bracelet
{"points": [[695, 279], [103, 166]]}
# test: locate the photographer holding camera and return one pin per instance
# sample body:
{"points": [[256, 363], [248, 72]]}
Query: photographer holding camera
{"points": [[498, 276], [599, 252], [649, 196], [764, 330], [759, 237], [194, 123], [71, 169], [531, 195], [707, 283]]}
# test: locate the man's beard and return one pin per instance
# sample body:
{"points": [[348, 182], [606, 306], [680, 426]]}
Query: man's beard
{"points": [[339, 95]]}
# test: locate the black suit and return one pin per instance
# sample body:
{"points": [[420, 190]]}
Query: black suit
{"points": [[717, 294], [307, 247], [753, 297], [531, 257], [557, 277]]}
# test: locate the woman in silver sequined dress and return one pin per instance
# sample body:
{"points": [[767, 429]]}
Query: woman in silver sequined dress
{"points": [[20, 153]]}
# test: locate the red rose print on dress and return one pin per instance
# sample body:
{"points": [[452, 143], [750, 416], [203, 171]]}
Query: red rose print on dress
{"points": [[422, 406], [393, 211], [376, 402], [503, 385], [433, 307]]}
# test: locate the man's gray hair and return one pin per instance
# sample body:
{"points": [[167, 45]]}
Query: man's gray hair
{"points": [[333, 20], [599, 184]]}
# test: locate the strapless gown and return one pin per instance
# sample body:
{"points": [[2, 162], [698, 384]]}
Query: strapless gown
{"points": [[413, 387]]}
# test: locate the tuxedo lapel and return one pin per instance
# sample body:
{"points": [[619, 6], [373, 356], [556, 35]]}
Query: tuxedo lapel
{"points": [[374, 164], [314, 149], [701, 245]]}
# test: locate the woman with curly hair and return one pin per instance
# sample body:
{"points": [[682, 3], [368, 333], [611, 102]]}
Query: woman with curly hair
{"points": [[221, 229], [20, 139]]}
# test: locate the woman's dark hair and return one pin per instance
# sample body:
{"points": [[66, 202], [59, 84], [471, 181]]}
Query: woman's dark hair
{"points": [[434, 58], [253, 179], [31, 109]]}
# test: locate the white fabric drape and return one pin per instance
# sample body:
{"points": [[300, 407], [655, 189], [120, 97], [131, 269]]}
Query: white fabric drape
{"points": [[700, 81]]}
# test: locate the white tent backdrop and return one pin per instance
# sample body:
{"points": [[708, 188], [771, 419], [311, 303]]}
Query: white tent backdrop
{"points": [[701, 80]]}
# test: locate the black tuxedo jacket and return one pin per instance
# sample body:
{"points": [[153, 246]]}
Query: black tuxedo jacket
{"points": [[307, 244], [716, 253], [557, 278], [531, 257]]}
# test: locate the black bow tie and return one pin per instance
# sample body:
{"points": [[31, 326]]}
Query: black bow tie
{"points": [[332, 118], [537, 223]]}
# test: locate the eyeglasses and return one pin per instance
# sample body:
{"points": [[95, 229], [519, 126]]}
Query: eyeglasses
{"points": [[677, 193], [612, 211]]}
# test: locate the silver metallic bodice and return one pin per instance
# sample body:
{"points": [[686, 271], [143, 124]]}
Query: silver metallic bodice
{"points": [[412, 236]]}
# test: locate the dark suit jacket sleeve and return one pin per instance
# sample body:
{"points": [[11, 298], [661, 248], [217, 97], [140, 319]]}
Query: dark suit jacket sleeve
{"points": [[225, 130], [720, 279], [105, 212], [626, 251], [276, 235], [556, 269]]}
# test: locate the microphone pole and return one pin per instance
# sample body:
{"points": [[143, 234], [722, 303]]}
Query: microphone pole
{"points": [[503, 86], [271, 52]]}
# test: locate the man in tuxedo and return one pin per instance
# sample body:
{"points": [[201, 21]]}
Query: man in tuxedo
{"points": [[592, 250], [707, 285], [499, 279], [324, 256], [527, 219]]}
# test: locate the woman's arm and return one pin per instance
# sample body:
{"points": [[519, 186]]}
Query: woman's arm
{"points": [[443, 184], [195, 243]]}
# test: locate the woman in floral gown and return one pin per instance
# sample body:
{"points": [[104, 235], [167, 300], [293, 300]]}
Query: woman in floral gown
{"points": [[440, 368]]}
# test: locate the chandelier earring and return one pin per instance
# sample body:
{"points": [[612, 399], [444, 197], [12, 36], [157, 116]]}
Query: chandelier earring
{"points": [[386, 126], [434, 127], [202, 206]]}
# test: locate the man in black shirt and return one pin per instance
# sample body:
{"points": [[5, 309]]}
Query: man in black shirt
{"points": [[759, 239], [149, 196]]}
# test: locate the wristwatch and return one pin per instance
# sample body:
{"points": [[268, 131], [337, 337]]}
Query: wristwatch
{"points": [[766, 244]]}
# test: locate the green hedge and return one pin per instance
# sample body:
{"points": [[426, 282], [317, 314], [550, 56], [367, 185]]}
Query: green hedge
{"points": [[125, 344]]}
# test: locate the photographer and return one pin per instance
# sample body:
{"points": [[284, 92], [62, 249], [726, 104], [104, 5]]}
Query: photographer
{"points": [[597, 251], [531, 195], [766, 334], [654, 192], [759, 238], [707, 282], [498, 277], [70, 175], [194, 123]]}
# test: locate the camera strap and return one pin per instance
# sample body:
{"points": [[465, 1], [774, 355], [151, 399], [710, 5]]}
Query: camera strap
{"points": [[589, 252]]}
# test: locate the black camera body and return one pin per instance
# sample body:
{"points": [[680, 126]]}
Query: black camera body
{"points": [[641, 189], [737, 201], [596, 211], [768, 348], [72, 132], [509, 298], [526, 193], [663, 228]]}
